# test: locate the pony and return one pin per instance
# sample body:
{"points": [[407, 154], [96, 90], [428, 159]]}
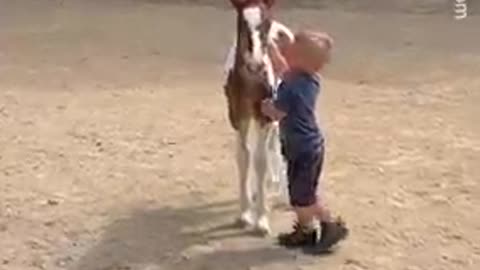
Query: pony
{"points": [[249, 81]]}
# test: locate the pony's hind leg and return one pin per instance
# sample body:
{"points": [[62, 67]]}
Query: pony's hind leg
{"points": [[277, 166], [246, 217], [262, 224], [274, 158]]}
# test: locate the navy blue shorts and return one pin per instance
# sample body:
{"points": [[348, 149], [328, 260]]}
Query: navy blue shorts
{"points": [[303, 176]]}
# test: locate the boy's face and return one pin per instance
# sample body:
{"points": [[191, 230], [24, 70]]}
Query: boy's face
{"points": [[295, 56], [289, 51]]}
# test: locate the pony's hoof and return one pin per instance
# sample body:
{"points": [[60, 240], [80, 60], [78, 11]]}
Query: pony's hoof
{"points": [[262, 227], [245, 220]]}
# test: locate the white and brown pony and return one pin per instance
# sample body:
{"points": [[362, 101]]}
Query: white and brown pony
{"points": [[250, 80]]}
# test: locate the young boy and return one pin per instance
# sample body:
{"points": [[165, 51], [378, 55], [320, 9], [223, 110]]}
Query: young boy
{"points": [[303, 141]]}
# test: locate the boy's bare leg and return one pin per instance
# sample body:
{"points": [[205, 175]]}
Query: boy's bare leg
{"points": [[316, 211]]}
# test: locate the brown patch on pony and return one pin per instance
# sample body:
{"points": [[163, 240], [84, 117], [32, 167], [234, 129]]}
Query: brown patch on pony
{"points": [[247, 83]]}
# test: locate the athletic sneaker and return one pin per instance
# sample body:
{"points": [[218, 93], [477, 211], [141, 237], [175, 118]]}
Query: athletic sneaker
{"points": [[331, 234], [301, 236]]}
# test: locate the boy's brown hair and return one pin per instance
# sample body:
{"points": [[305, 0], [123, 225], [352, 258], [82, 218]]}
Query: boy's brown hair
{"points": [[313, 47]]}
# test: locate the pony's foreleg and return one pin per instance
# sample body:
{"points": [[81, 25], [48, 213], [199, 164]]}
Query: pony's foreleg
{"points": [[246, 217], [262, 223]]}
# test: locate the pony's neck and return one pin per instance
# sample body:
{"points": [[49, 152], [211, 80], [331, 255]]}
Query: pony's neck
{"points": [[242, 40], [250, 47]]}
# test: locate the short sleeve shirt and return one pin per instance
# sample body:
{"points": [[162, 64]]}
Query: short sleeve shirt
{"points": [[297, 96]]}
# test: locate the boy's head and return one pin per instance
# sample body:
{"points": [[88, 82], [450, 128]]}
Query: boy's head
{"points": [[310, 51]]}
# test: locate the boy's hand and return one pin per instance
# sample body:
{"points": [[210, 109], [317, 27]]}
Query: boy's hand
{"points": [[267, 106], [269, 110]]}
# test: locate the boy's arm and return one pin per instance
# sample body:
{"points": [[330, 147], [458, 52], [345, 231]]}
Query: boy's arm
{"points": [[280, 65], [280, 107], [269, 109]]}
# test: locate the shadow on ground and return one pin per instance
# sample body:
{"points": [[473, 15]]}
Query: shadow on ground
{"points": [[201, 237]]}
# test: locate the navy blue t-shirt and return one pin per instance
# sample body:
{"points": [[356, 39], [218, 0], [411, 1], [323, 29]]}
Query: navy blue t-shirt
{"points": [[297, 96]]}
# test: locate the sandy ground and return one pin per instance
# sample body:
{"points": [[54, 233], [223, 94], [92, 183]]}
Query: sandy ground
{"points": [[115, 152]]}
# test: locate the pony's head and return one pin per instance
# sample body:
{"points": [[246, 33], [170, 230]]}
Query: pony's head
{"points": [[254, 22], [239, 4]]}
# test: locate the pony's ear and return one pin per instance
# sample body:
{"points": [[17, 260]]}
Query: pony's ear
{"points": [[238, 4], [269, 3]]}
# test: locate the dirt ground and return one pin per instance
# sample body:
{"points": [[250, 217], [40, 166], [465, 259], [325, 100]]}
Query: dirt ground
{"points": [[115, 151]]}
